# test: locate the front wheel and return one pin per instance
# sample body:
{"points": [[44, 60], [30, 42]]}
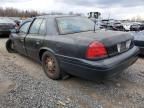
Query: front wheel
{"points": [[10, 46]]}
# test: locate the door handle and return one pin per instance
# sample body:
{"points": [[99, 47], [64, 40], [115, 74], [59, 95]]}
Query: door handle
{"points": [[38, 42]]}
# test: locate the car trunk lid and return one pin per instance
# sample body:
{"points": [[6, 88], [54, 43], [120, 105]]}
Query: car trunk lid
{"points": [[111, 39]]}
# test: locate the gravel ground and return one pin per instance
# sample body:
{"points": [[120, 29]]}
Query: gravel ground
{"points": [[23, 84]]}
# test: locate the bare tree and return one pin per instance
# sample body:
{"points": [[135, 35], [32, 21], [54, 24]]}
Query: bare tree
{"points": [[12, 12]]}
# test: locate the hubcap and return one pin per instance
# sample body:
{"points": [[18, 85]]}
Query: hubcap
{"points": [[50, 64]]}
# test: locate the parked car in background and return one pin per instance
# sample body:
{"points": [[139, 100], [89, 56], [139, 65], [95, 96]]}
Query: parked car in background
{"points": [[118, 26], [127, 26], [137, 27], [68, 45], [112, 25], [6, 26], [139, 40], [141, 27]]}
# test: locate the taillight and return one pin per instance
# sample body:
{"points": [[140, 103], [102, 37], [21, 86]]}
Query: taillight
{"points": [[96, 50]]}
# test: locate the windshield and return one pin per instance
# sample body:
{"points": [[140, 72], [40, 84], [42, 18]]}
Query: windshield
{"points": [[69, 25]]}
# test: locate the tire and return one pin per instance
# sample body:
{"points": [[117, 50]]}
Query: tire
{"points": [[10, 46], [51, 66]]}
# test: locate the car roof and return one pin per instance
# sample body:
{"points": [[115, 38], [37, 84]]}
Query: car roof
{"points": [[56, 16]]}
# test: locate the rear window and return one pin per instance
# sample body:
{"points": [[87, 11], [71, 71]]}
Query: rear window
{"points": [[69, 25]]}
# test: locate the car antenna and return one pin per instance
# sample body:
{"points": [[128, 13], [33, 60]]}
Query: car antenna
{"points": [[95, 23], [108, 21], [96, 16]]}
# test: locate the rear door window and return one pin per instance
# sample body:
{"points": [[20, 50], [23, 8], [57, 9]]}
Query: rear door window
{"points": [[35, 26], [24, 28]]}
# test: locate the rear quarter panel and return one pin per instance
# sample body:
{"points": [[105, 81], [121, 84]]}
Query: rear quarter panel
{"points": [[61, 45]]}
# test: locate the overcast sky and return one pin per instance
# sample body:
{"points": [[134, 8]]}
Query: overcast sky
{"points": [[116, 8]]}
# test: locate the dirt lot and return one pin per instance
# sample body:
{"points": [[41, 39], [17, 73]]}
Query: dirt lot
{"points": [[23, 84]]}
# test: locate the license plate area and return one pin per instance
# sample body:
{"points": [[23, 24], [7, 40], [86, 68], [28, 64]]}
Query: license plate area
{"points": [[123, 46]]}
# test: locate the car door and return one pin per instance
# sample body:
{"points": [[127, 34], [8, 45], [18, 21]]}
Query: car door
{"points": [[20, 36], [34, 39]]}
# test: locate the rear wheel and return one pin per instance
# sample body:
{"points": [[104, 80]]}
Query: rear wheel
{"points": [[10, 46], [51, 66]]}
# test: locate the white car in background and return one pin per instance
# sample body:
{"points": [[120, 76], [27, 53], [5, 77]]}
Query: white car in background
{"points": [[127, 26]]}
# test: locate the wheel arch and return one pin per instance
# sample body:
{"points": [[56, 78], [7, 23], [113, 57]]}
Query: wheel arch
{"points": [[44, 49]]}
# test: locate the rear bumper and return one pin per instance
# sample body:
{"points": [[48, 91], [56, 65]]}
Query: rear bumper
{"points": [[101, 69], [5, 32]]}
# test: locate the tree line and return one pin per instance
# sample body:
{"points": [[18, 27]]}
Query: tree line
{"points": [[12, 12]]}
